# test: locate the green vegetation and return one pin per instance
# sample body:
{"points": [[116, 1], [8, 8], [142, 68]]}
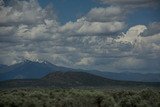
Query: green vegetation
{"points": [[79, 98]]}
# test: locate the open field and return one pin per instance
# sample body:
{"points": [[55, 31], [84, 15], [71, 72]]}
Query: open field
{"points": [[39, 97]]}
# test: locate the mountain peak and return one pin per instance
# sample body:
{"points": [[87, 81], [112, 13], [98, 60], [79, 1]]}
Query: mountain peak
{"points": [[35, 61], [30, 69], [41, 61]]}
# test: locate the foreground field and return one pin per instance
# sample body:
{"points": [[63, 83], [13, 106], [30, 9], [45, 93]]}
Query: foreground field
{"points": [[79, 98]]}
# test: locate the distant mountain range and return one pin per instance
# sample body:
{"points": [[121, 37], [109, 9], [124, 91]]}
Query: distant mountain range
{"points": [[129, 76], [73, 79], [2, 66], [38, 69]]}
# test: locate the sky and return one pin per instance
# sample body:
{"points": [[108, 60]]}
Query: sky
{"points": [[106, 35]]}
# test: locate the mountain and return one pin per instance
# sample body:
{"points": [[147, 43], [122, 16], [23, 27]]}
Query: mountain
{"points": [[37, 69], [128, 76], [29, 69], [2, 66], [72, 79], [75, 79]]}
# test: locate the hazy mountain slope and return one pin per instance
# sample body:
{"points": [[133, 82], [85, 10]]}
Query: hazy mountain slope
{"points": [[2, 67], [129, 76], [72, 79]]}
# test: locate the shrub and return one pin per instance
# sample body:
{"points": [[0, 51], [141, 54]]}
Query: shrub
{"points": [[78, 98]]}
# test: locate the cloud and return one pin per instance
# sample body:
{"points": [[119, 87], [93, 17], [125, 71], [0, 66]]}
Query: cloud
{"points": [[91, 42], [133, 34], [7, 30], [26, 19], [112, 13], [146, 48], [136, 33], [83, 27], [130, 63], [86, 61], [98, 21], [26, 12], [152, 28], [24, 26], [132, 3], [1, 2]]}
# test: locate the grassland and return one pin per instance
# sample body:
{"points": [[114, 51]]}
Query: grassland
{"points": [[79, 98]]}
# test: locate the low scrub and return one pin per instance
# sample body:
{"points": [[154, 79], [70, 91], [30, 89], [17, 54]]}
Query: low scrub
{"points": [[79, 98]]}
